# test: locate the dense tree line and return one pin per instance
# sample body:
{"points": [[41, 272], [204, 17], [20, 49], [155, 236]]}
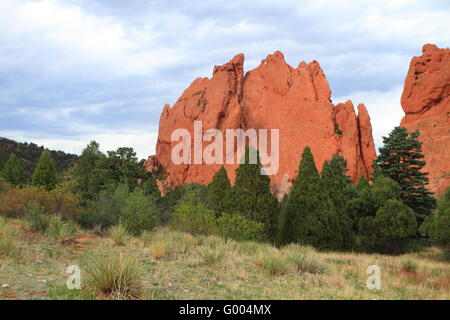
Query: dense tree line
{"points": [[386, 213], [29, 153]]}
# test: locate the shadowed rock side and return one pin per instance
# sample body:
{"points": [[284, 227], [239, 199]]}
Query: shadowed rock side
{"points": [[426, 102], [273, 96]]}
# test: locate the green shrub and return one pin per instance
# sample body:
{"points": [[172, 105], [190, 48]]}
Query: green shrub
{"points": [[37, 219], [237, 227], [195, 218], [116, 276], [139, 213], [106, 210], [439, 229], [119, 234]]}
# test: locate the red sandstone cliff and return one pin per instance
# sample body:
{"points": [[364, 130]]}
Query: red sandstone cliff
{"points": [[273, 96], [426, 102]]}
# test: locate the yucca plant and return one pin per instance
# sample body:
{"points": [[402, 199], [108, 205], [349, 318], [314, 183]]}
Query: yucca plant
{"points": [[272, 262], [116, 276], [304, 258], [119, 234], [63, 231], [211, 255]]}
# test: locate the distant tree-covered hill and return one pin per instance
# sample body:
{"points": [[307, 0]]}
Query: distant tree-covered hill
{"points": [[29, 154]]}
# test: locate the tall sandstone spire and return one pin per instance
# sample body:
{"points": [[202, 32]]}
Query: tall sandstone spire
{"points": [[426, 102], [297, 101]]}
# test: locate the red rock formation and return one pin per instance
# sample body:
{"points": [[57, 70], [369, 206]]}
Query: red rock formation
{"points": [[426, 102], [272, 96]]}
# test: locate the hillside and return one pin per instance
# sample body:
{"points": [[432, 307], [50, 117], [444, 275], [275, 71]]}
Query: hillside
{"points": [[29, 153], [176, 265]]}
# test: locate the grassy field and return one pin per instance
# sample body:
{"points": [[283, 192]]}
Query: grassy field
{"points": [[173, 265]]}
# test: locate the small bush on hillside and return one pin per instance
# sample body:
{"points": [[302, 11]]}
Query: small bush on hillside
{"points": [[139, 213], [36, 217], [106, 210], [439, 225], [237, 227], [193, 218], [63, 231], [58, 201], [119, 234], [116, 276]]}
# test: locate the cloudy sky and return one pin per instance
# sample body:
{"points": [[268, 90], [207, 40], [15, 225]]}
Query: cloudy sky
{"points": [[76, 70]]}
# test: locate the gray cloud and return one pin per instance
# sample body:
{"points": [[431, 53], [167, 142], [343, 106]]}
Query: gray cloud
{"points": [[72, 70]]}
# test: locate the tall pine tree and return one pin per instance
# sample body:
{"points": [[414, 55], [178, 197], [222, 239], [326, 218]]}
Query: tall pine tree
{"points": [[309, 216], [251, 196], [44, 175], [340, 190], [13, 172], [401, 159]]}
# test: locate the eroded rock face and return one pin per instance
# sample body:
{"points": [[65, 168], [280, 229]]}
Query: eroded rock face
{"points": [[426, 102], [273, 96]]}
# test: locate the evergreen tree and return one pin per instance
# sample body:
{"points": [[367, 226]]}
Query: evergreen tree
{"points": [[217, 190], [394, 224], [251, 196], [44, 175], [384, 223], [340, 190], [362, 204], [123, 166], [401, 160], [309, 216], [90, 174], [439, 229], [13, 172], [150, 186], [362, 183]]}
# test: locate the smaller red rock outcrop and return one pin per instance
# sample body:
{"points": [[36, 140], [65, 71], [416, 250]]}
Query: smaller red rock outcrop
{"points": [[426, 102]]}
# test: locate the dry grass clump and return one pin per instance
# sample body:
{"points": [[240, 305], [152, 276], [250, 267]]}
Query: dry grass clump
{"points": [[409, 265], [213, 254], [168, 243], [119, 235], [116, 276], [64, 232], [304, 258], [8, 240], [272, 261]]}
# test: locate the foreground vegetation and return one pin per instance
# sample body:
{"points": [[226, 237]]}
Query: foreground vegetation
{"points": [[107, 216], [166, 264]]}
